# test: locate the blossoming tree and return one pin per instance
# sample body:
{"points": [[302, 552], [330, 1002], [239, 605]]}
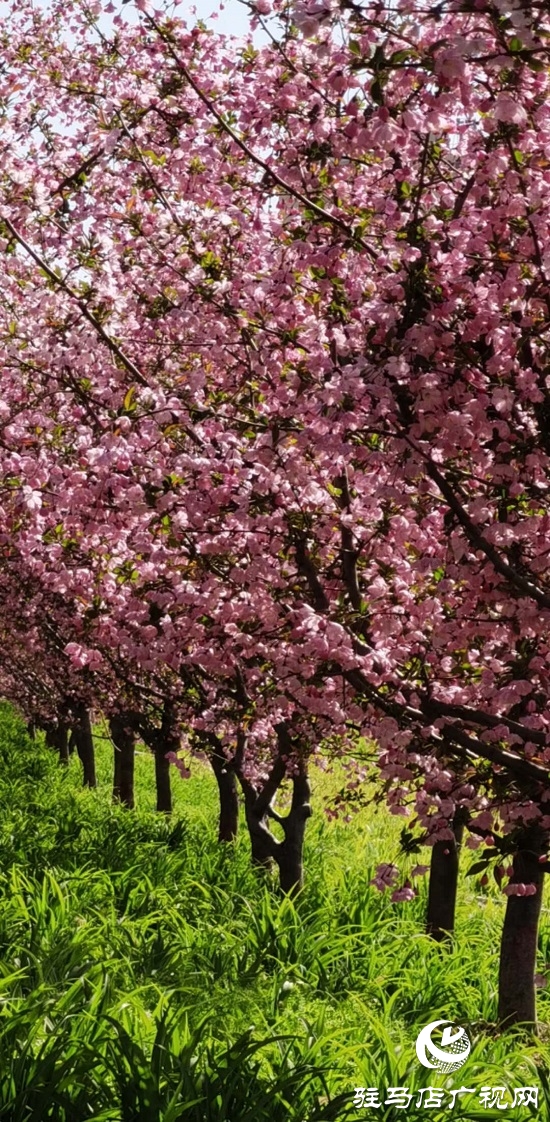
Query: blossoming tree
{"points": [[275, 336]]}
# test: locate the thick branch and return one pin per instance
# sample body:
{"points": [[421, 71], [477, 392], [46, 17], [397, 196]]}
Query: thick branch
{"points": [[462, 196], [270, 787], [475, 537], [473, 716], [349, 553], [307, 569], [524, 769]]}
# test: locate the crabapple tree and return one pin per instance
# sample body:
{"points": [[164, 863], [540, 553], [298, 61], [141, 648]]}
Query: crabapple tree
{"points": [[275, 343]]}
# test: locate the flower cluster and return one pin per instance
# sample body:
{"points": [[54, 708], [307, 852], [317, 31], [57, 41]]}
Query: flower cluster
{"points": [[274, 420]]}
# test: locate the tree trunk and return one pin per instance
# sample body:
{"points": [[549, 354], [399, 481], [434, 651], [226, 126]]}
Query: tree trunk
{"points": [[162, 777], [289, 853], [440, 919], [261, 851], [123, 781], [518, 948], [85, 745], [229, 799], [58, 738], [62, 744], [262, 842]]}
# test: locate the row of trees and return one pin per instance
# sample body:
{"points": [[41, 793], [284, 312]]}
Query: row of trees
{"points": [[274, 419]]}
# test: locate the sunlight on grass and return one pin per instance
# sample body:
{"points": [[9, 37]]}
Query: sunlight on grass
{"points": [[148, 973]]}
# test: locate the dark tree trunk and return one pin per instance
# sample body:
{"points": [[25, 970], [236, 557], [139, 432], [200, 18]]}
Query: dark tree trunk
{"points": [[229, 799], [289, 854], [440, 919], [123, 780], [162, 777], [85, 745], [518, 948], [266, 848], [58, 738], [62, 744], [161, 742], [31, 729], [262, 842]]}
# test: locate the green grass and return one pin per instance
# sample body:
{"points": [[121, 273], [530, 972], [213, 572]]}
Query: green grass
{"points": [[146, 973]]}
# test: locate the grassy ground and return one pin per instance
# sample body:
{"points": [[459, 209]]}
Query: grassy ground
{"points": [[146, 973]]}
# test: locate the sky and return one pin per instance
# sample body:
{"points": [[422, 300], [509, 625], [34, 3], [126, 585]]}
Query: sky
{"points": [[230, 16], [234, 19]]}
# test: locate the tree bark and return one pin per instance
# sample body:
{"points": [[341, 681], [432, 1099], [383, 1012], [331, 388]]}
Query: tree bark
{"points": [[229, 799], [62, 744], [518, 948], [161, 741], [262, 841], [58, 738], [443, 884], [162, 778], [124, 740], [289, 854], [85, 745], [266, 848]]}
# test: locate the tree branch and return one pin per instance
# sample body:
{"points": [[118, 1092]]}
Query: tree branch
{"points": [[60, 283], [349, 553], [524, 769], [464, 713], [307, 569], [523, 584], [270, 787]]}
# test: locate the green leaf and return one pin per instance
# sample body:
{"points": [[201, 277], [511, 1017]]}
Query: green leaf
{"points": [[128, 402], [401, 56], [478, 867], [158, 161]]}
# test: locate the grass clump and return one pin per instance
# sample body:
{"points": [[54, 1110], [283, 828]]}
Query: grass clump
{"points": [[148, 973]]}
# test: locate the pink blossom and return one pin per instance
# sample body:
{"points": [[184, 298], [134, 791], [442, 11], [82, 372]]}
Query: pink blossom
{"points": [[402, 894], [509, 110], [386, 876], [519, 889]]}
